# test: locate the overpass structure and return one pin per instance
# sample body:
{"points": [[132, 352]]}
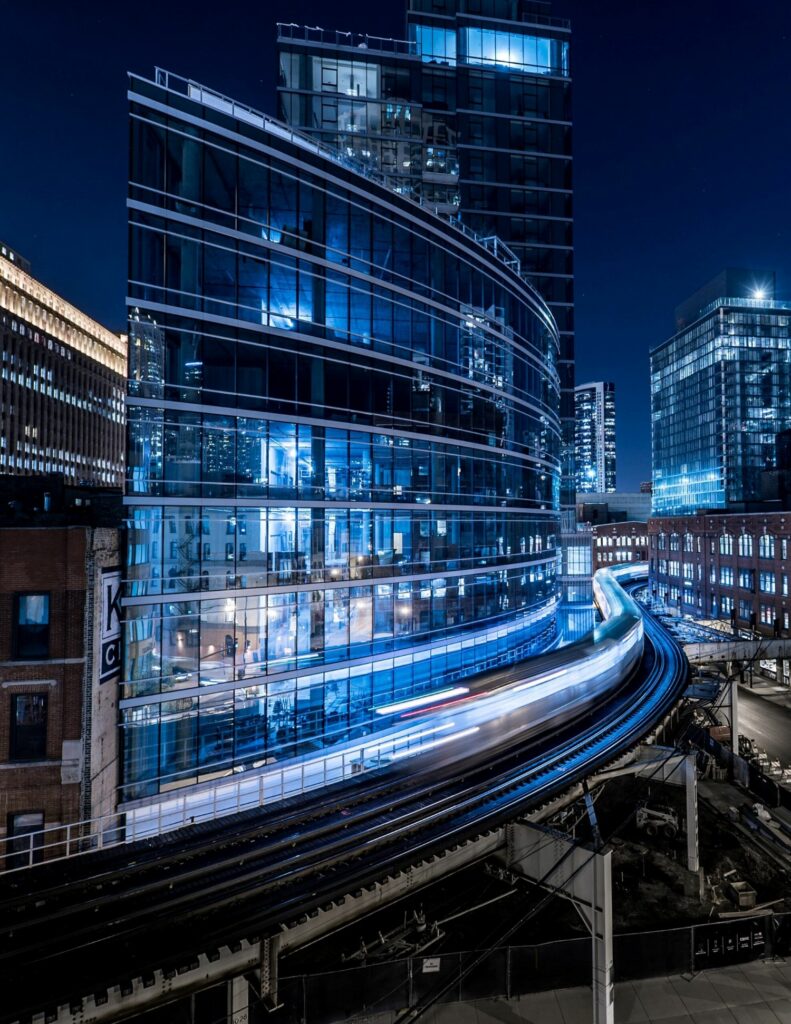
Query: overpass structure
{"points": [[110, 934], [720, 651]]}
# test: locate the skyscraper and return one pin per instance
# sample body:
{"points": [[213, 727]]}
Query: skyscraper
{"points": [[595, 437], [61, 384], [720, 393], [343, 446], [471, 114]]}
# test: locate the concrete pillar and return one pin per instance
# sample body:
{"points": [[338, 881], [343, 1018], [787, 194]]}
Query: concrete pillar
{"points": [[238, 1001], [691, 790], [583, 876], [601, 935]]}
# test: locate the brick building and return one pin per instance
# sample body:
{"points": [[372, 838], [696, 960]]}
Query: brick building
{"points": [[62, 381], [733, 566], [616, 543], [59, 649]]}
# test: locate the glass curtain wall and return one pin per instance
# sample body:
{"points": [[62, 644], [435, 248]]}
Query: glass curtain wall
{"points": [[343, 450]]}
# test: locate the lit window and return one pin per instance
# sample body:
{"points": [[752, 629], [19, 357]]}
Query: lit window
{"points": [[32, 626]]}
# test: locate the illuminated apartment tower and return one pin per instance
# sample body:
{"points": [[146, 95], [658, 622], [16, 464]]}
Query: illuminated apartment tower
{"points": [[471, 113], [595, 437], [720, 394], [61, 384]]}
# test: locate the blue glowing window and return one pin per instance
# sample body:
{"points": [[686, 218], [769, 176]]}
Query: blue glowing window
{"points": [[435, 45], [533, 54]]}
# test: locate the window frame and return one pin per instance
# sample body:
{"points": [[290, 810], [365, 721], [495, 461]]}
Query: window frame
{"points": [[17, 626], [13, 753]]}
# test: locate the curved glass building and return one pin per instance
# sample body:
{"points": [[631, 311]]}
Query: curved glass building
{"points": [[343, 446]]}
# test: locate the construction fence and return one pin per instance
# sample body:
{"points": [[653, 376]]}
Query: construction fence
{"points": [[512, 971]]}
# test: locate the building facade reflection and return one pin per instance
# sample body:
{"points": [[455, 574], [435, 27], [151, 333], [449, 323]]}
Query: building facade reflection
{"points": [[343, 447]]}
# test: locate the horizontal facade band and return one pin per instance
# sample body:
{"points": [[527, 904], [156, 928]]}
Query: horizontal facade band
{"points": [[534, 614], [230, 410], [306, 588]]}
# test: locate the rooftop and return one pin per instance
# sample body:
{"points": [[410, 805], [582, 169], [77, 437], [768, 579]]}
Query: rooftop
{"points": [[50, 501], [217, 101], [53, 314]]}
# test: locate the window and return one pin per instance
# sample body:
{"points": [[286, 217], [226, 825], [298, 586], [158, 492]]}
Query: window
{"points": [[435, 45], [536, 54], [28, 727], [767, 615], [784, 547], [32, 626], [726, 576], [767, 582], [688, 542], [726, 544], [747, 579], [766, 546], [745, 609], [745, 545]]}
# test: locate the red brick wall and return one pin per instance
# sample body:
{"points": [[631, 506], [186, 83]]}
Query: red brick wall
{"points": [[706, 531], [43, 560]]}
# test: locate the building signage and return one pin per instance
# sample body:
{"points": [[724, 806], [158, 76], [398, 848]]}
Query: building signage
{"points": [[111, 625], [431, 965]]}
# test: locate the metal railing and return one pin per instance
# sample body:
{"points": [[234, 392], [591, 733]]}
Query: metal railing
{"points": [[218, 101], [356, 40], [199, 804], [743, 303]]}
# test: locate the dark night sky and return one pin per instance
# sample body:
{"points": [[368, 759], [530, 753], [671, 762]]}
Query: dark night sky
{"points": [[682, 149]]}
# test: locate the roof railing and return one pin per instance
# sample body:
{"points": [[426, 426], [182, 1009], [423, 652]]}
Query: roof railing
{"points": [[354, 40], [745, 303], [218, 101]]}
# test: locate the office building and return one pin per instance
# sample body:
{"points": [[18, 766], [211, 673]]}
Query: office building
{"points": [[343, 447], [62, 378], [471, 114], [59, 658], [599, 508], [594, 433], [720, 394], [734, 567]]}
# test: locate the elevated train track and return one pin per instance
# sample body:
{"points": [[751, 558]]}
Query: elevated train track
{"points": [[73, 928]]}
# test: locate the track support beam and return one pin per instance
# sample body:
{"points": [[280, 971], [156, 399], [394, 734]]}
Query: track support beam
{"points": [[583, 876]]}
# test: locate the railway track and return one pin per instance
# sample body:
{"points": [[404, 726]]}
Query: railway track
{"points": [[120, 915]]}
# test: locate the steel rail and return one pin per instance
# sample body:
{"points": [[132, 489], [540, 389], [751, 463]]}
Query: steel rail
{"points": [[452, 816]]}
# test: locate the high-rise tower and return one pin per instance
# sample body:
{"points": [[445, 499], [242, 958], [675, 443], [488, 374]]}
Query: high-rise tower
{"points": [[471, 113], [595, 437], [720, 394]]}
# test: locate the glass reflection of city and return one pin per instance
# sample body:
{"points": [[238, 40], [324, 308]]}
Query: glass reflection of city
{"points": [[343, 447]]}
